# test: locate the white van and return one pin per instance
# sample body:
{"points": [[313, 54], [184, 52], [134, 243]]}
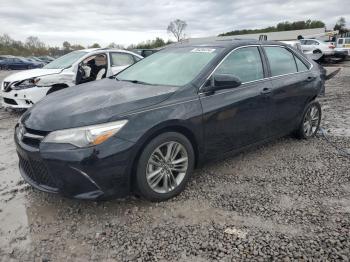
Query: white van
{"points": [[343, 44]]}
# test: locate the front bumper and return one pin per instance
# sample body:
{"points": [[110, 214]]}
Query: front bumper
{"points": [[94, 173], [24, 98]]}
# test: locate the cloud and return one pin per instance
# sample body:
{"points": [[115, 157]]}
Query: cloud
{"points": [[126, 22]]}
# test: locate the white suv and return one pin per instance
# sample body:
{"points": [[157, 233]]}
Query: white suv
{"points": [[23, 89], [316, 49]]}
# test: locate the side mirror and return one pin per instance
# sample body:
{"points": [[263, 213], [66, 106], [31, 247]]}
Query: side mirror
{"points": [[225, 81]]}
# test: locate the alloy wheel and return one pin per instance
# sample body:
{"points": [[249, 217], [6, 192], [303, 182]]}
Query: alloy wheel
{"points": [[167, 167], [311, 121]]}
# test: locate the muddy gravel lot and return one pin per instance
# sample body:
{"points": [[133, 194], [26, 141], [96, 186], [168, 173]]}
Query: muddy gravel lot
{"points": [[289, 199]]}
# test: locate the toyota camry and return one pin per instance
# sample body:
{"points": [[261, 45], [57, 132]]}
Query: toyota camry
{"points": [[144, 130]]}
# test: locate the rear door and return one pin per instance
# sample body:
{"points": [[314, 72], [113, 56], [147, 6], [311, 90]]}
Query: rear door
{"points": [[238, 116], [292, 82], [120, 61]]}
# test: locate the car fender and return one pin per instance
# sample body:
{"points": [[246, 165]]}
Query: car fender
{"points": [[64, 78]]}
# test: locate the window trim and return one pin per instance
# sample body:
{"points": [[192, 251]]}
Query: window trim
{"points": [[269, 63], [295, 54], [263, 60]]}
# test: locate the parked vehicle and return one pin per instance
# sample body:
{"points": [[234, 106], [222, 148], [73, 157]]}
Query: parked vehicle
{"points": [[37, 64], [23, 89], [46, 59], [145, 52], [17, 63], [343, 45], [294, 44], [151, 125], [317, 49], [37, 59], [3, 57]]}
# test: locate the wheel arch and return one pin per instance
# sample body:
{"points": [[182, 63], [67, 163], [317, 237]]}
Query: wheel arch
{"points": [[56, 87], [169, 126]]}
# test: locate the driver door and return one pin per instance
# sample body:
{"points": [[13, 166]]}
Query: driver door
{"points": [[236, 117]]}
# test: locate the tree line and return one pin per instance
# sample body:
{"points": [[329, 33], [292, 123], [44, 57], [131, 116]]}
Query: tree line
{"points": [[33, 46], [283, 26]]}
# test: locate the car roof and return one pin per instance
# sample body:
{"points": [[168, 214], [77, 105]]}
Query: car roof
{"points": [[227, 43], [93, 50]]}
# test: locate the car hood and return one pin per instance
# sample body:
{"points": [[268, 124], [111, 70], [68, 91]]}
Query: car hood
{"points": [[31, 73], [93, 103]]}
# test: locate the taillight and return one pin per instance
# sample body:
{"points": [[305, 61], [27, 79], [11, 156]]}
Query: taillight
{"points": [[331, 46]]}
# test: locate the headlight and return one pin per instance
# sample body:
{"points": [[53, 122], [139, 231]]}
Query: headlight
{"points": [[85, 136], [28, 83]]}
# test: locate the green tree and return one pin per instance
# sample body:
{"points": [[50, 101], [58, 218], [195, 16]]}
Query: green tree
{"points": [[341, 25], [66, 46], [282, 26], [95, 45]]}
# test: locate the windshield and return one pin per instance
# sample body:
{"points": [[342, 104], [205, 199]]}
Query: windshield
{"points": [[175, 67], [65, 61]]}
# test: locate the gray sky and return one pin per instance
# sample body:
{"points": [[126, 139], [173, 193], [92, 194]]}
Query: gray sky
{"points": [[133, 21]]}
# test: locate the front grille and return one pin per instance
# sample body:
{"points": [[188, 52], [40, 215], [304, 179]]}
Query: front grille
{"points": [[10, 101], [37, 172], [32, 137]]}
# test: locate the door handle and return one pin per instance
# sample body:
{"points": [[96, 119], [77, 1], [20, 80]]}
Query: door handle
{"points": [[266, 91]]}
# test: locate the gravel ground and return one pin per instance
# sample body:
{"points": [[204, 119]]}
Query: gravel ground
{"points": [[289, 199]]}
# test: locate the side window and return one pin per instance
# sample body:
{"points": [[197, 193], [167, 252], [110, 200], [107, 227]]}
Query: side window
{"points": [[281, 61], [120, 59], [303, 42], [340, 41], [309, 42], [300, 64], [244, 63]]}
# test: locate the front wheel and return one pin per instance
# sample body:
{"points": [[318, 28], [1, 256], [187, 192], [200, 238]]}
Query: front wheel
{"points": [[311, 121], [164, 166]]}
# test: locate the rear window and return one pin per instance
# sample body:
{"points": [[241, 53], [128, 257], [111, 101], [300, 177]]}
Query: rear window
{"points": [[281, 61]]}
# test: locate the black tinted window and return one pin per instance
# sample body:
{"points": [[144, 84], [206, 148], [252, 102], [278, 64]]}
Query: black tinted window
{"points": [[281, 61], [244, 63]]}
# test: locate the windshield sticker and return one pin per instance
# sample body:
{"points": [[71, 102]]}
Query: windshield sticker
{"points": [[203, 50]]}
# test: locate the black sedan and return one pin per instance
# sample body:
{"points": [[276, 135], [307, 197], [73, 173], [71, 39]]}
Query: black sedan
{"points": [[145, 130], [18, 63]]}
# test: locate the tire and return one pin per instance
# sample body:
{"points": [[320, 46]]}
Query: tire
{"points": [[170, 181], [310, 122]]}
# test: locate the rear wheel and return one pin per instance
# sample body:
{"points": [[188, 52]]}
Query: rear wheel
{"points": [[164, 166], [311, 121]]}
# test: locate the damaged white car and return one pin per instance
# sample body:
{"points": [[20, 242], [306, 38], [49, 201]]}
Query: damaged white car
{"points": [[23, 89]]}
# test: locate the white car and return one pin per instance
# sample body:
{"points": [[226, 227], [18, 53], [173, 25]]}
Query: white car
{"points": [[23, 89], [294, 44], [316, 49]]}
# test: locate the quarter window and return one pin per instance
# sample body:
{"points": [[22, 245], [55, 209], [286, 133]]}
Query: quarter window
{"points": [[300, 64], [244, 63], [281, 61], [120, 59]]}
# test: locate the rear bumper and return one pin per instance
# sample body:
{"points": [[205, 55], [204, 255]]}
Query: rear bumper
{"points": [[94, 173]]}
